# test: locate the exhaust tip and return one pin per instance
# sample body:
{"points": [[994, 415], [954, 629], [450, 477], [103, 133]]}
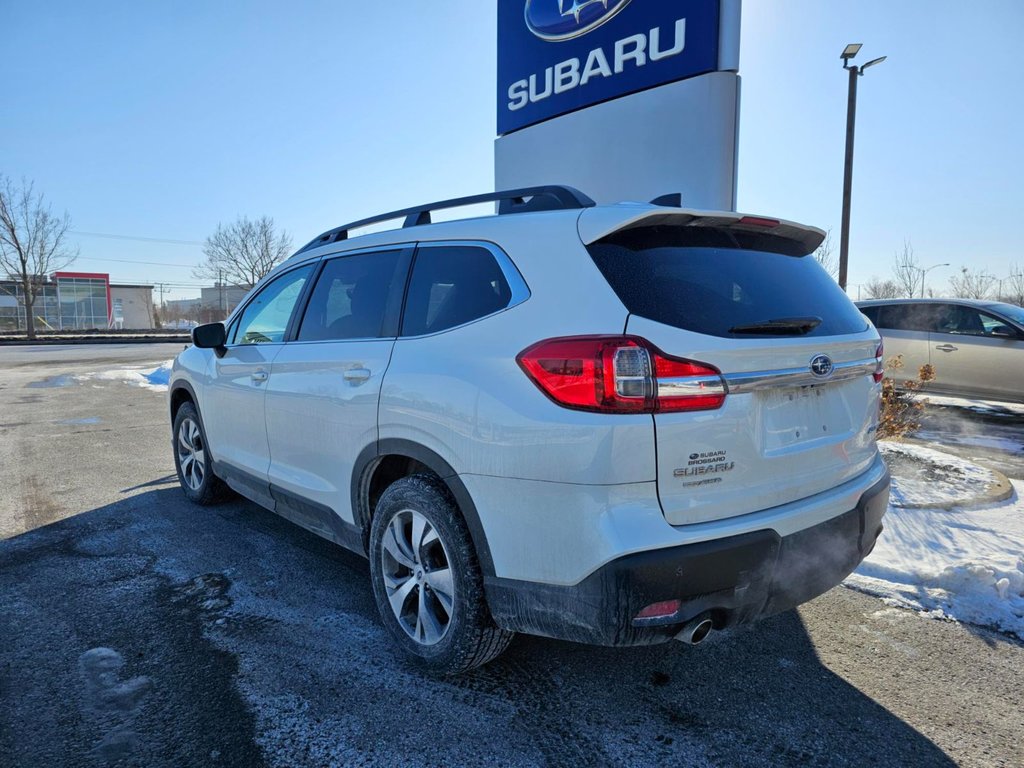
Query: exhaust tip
{"points": [[696, 630]]}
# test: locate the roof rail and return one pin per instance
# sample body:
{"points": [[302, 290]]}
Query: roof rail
{"points": [[525, 200]]}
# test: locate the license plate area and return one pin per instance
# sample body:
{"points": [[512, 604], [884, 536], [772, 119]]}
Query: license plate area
{"points": [[803, 416]]}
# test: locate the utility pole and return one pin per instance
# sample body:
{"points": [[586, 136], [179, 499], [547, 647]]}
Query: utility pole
{"points": [[220, 303], [851, 118]]}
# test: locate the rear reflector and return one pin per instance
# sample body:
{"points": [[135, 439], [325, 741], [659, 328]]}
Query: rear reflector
{"points": [[660, 610], [620, 374], [879, 363]]}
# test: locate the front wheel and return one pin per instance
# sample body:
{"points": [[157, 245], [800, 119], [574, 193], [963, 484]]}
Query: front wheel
{"points": [[427, 581], [192, 459]]}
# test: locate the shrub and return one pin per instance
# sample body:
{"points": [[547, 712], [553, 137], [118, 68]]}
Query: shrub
{"points": [[902, 404]]}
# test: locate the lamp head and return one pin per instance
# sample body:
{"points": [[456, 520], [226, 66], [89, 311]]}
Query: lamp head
{"points": [[872, 63]]}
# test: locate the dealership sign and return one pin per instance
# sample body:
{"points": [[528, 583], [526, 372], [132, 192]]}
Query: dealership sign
{"points": [[556, 56]]}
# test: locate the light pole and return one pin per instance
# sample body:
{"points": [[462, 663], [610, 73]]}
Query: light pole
{"points": [[924, 273], [1011, 276], [851, 117]]}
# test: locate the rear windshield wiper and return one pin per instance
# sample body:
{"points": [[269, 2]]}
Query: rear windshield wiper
{"points": [[785, 325]]}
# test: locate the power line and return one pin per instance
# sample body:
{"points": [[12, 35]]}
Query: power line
{"points": [[133, 237], [133, 261]]}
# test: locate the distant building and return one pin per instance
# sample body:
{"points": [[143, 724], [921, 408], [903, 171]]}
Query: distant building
{"points": [[131, 306], [216, 303], [181, 311], [78, 301]]}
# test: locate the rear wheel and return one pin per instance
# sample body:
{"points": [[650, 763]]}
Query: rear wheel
{"points": [[427, 581], [192, 459]]}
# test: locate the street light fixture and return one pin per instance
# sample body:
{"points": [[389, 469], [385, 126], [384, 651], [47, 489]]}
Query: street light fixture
{"points": [[849, 52], [924, 272]]}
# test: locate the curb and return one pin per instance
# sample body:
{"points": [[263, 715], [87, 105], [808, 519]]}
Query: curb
{"points": [[96, 340], [997, 491]]}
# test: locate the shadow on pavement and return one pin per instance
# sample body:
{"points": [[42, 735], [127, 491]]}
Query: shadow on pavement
{"points": [[229, 626]]}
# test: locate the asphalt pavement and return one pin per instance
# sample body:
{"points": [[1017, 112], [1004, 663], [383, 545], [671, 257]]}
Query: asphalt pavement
{"points": [[137, 629]]}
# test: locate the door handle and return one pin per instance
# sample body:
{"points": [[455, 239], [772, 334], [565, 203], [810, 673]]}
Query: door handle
{"points": [[357, 375], [946, 348], [258, 376]]}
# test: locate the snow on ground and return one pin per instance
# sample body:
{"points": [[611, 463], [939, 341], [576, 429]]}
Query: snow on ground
{"points": [[978, 406], [962, 564], [143, 376], [1005, 444]]}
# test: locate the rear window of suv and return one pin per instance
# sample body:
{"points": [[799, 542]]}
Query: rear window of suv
{"points": [[700, 281]]}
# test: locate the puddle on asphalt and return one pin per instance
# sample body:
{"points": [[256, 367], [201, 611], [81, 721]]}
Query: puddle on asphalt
{"points": [[65, 380], [87, 420]]}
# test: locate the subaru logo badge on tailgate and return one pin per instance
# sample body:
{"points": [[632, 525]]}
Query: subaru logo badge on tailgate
{"points": [[557, 20], [821, 366]]}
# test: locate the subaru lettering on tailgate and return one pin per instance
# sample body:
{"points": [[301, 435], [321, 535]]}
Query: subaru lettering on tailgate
{"points": [[557, 56]]}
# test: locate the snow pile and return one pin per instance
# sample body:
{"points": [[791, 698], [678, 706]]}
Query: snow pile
{"points": [[962, 564], [926, 477], [143, 376]]}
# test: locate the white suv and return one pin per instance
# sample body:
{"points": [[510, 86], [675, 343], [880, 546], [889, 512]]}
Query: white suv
{"points": [[610, 424]]}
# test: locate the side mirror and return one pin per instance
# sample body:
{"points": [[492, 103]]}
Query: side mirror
{"points": [[210, 336], [1005, 332]]}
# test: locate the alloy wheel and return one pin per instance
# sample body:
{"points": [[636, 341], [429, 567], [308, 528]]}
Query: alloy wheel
{"points": [[191, 454], [418, 577]]}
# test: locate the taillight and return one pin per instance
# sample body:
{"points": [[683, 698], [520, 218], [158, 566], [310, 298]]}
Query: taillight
{"points": [[879, 363], [620, 374]]}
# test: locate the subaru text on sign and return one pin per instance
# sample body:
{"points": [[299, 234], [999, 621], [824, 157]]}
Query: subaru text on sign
{"points": [[557, 56]]}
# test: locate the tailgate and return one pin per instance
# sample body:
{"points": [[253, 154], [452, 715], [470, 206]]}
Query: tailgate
{"points": [[783, 434]]}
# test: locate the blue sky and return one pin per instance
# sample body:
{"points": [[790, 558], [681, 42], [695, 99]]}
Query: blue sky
{"points": [[160, 120]]}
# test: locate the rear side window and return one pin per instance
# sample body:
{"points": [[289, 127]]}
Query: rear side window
{"points": [[906, 317], [350, 299], [452, 285], [701, 282], [871, 313]]}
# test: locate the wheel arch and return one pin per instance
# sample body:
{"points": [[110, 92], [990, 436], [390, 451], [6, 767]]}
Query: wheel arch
{"points": [[393, 458], [181, 392]]}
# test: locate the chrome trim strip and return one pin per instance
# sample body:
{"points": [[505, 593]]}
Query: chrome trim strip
{"points": [[739, 383], [691, 386]]}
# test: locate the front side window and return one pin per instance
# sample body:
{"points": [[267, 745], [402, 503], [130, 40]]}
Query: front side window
{"points": [[452, 285], [265, 318], [967, 321], [350, 300], [959, 320]]}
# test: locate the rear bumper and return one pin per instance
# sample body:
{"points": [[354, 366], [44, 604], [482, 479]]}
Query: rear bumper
{"points": [[735, 579]]}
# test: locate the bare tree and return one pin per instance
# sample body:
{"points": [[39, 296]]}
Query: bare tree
{"points": [[876, 288], [972, 284], [243, 252], [33, 241], [825, 256], [907, 272], [1012, 287]]}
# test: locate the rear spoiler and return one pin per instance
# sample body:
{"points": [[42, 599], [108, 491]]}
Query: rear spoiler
{"points": [[597, 223]]}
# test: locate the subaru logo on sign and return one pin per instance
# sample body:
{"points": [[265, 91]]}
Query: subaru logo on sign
{"points": [[821, 366], [557, 20]]}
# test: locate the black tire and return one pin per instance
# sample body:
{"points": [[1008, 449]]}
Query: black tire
{"points": [[470, 638], [188, 440]]}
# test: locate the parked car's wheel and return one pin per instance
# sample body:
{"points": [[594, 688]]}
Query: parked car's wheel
{"points": [[192, 459], [427, 580]]}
